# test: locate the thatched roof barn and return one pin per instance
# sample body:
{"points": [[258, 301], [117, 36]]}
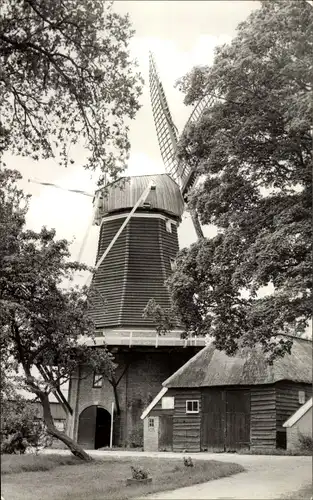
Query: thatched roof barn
{"points": [[223, 403]]}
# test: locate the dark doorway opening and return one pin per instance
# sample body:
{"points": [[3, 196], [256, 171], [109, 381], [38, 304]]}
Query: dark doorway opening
{"points": [[103, 426], [94, 428]]}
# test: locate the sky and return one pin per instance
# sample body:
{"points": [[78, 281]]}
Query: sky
{"points": [[181, 34]]}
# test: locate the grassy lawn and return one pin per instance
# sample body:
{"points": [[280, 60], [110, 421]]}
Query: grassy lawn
{"points": [[271, 451], [55, 477]]}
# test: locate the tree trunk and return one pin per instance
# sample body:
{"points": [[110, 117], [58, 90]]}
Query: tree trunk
{"points": [[114, 384], [75, 448], [196, 224]]}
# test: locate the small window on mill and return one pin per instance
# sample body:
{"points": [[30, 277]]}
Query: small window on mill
{"points": [[301, 396], [151, 423], [97, 380], [168, 226]]}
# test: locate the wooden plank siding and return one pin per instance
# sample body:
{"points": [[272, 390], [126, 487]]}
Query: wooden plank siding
{"points": [[146, 272], [287, 403], [186, 426], [108, 281], [233, 417], [133, 272], [263, 416]]}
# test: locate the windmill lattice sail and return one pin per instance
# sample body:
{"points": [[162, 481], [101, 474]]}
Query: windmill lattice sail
{"points": [[165, 128], [167, 135], [167, 132]]}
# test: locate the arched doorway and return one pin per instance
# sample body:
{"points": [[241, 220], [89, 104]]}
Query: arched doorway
{"points": [[103, 425], [94, 427]]}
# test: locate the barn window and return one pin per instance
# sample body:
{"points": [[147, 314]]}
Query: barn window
{"points": [[151, 423], [167, 403], [168, 226], [192, 406], [97, 380], [173, 264], [301, 396]]}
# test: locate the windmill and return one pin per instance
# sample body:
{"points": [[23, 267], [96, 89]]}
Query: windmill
{"points": [[168, 139], [138, 218]]}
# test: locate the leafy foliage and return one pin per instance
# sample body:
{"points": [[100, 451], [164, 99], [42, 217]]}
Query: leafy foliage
{"points": [[139, 473], [164, 318], [21, 426], [42, 323], [66, 77], [306, 442], [188, 462], [253, 147]]}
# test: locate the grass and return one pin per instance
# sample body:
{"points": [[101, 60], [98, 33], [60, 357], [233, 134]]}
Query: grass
{"points": [[105, 478], [13, 464], [270, 451]]}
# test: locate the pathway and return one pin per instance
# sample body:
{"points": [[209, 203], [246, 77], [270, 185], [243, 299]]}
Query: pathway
{"points": [[266, 476]]}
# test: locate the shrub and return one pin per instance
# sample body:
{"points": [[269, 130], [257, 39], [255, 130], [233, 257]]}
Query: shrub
{"points": [[21, 428], [188, 462], [135, 439], [305, 442], [139, 473]]}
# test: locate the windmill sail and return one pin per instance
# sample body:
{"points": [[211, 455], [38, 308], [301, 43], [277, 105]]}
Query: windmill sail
{"points": [[168, 136], [165, 128], [167, 132]]}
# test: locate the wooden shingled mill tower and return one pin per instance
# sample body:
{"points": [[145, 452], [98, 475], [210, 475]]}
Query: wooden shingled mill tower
{"points": [[138, 218]]}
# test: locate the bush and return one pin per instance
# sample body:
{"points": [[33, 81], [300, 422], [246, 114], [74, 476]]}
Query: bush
{"points": [[188, 462], [135, 439], [305, 442], [21, 428], [139, 473]]}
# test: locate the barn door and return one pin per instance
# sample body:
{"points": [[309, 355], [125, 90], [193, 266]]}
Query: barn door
{"points": [[87, 427], [237, 433], [225, 420], [213, 420], [166, 432]]}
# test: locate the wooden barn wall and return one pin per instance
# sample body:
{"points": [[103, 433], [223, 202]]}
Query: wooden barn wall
{"points": [[186, 427], [157, 409], [287, 400], [263, 416], [270, 406]]}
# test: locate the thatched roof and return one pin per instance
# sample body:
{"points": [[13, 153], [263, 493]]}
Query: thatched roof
{"points": [[211, 367]]}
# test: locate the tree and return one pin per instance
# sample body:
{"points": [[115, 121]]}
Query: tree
{"points": [[42, 323], [66, 77], [253, 147]]}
